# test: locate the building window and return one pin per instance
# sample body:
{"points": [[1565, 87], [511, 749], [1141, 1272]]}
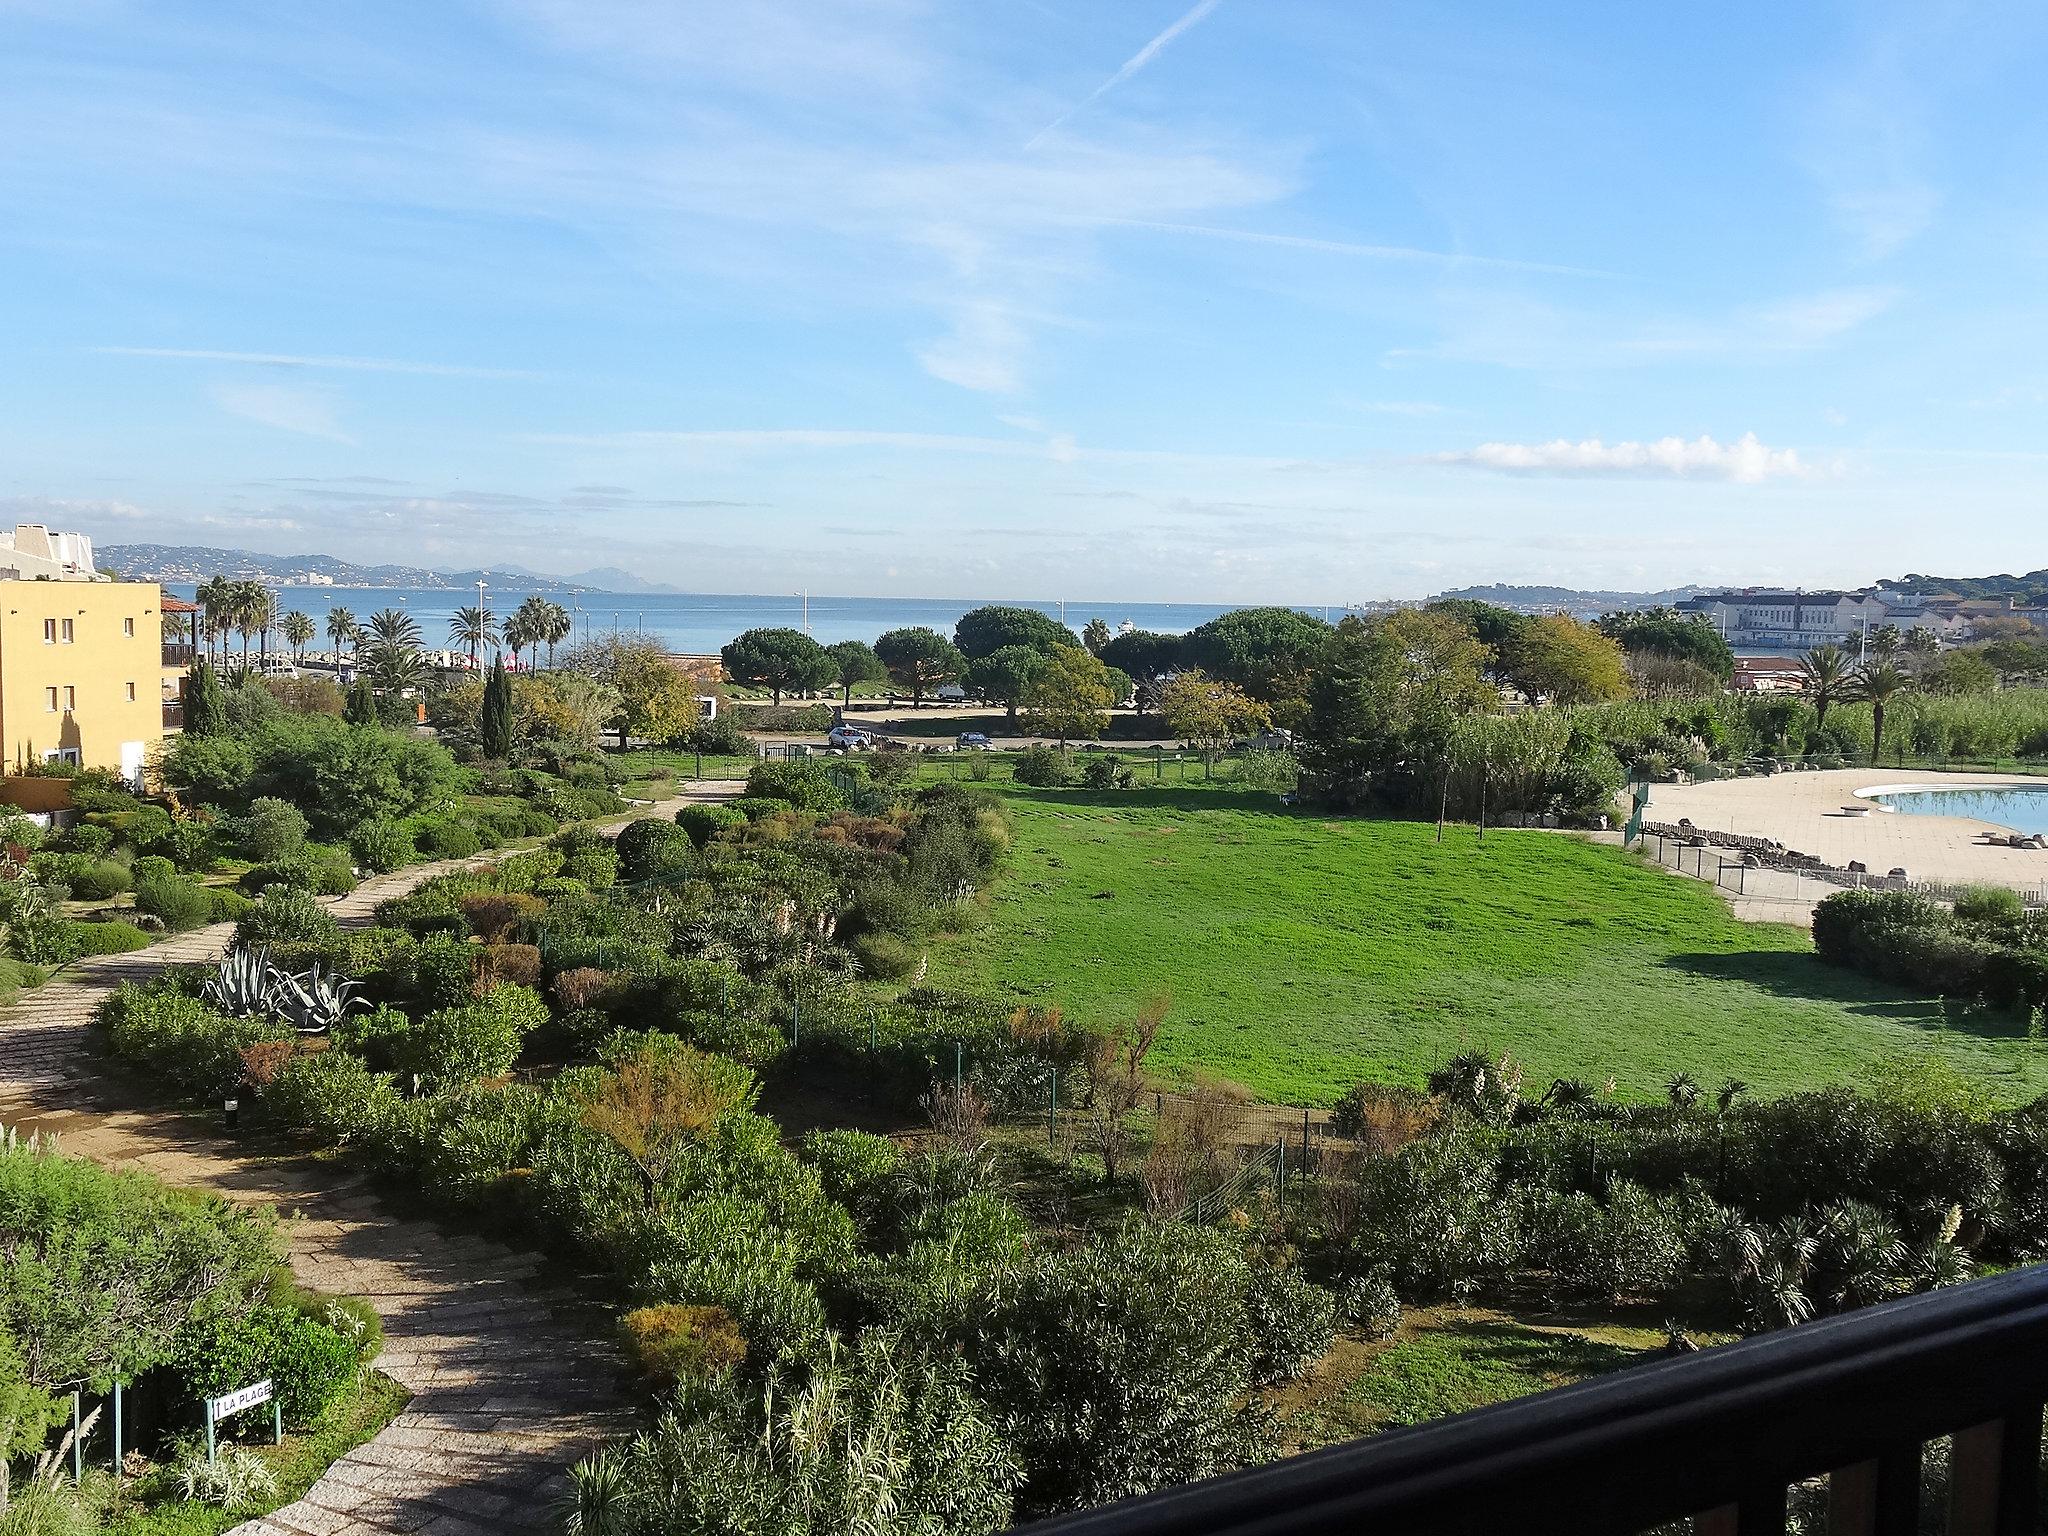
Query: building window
{"points": [[70, 696], [61, 755], [50, 700], [128, 629], [131, 693], [67, 631], [49, 631]]}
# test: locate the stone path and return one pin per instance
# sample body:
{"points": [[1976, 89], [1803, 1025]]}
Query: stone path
{"points": [[512, 1382]]}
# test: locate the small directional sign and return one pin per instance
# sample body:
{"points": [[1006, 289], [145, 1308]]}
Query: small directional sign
{"points": [[232, 1403]]}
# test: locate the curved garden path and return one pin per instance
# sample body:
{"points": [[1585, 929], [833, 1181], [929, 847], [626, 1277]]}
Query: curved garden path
{"points": [[512, 1381]]}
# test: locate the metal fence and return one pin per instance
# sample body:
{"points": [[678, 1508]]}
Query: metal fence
{"points": [[1725, 868]]}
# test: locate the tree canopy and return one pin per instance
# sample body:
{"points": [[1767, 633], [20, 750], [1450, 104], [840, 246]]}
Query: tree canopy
{"points": [[1558, 659], [1667, 632], [780, 660], [856, 662], [656, 701], [919, 659], [984, 631], [1005, 676], [1073, 695], [1265, 651], [1209, 713]]}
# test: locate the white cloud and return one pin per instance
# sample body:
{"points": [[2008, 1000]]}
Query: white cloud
{"points": [[68, 511], [1745, 461], [286, 407], [341, 364], [1355, 248]]}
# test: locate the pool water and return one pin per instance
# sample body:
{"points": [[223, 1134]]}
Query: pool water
{"points": [[2021, 809]]}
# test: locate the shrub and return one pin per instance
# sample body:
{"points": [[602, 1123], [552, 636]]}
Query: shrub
{"points": [[1044, 768], [597, 868], [188, 844], [704, 822], [437, 972], [1101, 771], [492, 915], [97, 879], [285, 915], [670, 1343], [1292, 1322], [805, 784], [224, 905], [1434, 1216], [178, 903], [478, 1040], [1369, 1303], [310, 1362], [648, 849], [182, 1039], [381, 845], [86, 838], [1991, 905], [720, 736], [516, 963], [378, 1036], [269, 830], [105, 938], [756, 807], [442, 838], [151, 867], [856, 1167], [328, 1094]]}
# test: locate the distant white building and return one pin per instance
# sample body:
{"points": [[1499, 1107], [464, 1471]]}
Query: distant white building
{"points": [[1769, 616], [33, 553]]}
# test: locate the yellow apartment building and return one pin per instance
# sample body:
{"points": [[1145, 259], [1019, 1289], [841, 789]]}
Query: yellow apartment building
{"points": [[81, 672]]}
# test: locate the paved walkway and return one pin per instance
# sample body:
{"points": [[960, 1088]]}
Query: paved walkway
{"points": [[1804, 812], [512, 1382]]}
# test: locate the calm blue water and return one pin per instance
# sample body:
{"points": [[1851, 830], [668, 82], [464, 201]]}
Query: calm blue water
{"points": [[699, 623], [2023, 810]]}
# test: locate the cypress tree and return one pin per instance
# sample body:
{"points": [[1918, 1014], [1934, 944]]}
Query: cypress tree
{"points": [[496, 727], [206, 705], [360, 707]]}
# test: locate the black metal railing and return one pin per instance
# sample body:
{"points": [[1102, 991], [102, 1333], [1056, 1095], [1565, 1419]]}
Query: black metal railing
{"points": [[1719, 1436], [178, 654]]}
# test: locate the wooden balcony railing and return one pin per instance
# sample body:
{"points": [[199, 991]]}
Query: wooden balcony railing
{"points": [[1719, 1436]]}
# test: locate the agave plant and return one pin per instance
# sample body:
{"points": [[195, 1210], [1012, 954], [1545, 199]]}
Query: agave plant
{"points": [[243, 985], [313, 1003]]}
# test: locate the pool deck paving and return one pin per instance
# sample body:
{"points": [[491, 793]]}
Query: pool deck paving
{"points": [[513, 1379], [1805, 811]]}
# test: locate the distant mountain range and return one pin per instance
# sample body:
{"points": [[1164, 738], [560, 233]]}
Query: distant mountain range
{"points": [[192, 563], [1568, 599], [2031, 588]]}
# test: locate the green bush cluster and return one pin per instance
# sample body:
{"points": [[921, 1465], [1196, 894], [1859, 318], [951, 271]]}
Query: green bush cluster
{"points": [[1987, 948]]}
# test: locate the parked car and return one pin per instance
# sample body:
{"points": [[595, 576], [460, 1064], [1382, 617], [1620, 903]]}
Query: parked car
{"points": [[950, 693], [849, 738], [973, 741]]}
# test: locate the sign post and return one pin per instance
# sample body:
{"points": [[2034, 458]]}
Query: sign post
{"points": [[228, 1404]]}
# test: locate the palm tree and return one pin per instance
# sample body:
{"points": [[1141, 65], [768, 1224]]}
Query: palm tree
{"points": [[532, 618], [1824, 677], [559, 627], [1882, 644], [474, 627], [394, 626], [342, 630], [298, 634], [1923, 647], [1683, 1091], [393, 666], [520, 633], [1880, 685], [215, 597]]}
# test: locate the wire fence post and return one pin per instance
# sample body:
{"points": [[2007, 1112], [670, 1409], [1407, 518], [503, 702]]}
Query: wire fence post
{"points": [[77, 1441], [209, 1432], [1052, 1109], [958, 1073], [117, 1426]]}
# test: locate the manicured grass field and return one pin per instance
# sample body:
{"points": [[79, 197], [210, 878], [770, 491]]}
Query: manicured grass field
{"points": [[1306, 954]]}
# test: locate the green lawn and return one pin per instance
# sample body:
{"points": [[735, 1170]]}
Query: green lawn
{"points": [[1305, 954], [1452, 1362]]}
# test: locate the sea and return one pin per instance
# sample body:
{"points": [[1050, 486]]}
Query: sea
{"points": [[698, 624]]}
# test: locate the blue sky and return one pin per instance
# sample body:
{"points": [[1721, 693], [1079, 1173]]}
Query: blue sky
{"points": [[1294, 300]]}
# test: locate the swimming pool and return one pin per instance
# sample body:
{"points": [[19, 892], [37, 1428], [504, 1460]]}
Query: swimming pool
{"points": [[2021, 807]]}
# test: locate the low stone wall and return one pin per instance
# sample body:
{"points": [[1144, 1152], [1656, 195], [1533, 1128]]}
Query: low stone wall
{"points": [[1769, 853]]}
